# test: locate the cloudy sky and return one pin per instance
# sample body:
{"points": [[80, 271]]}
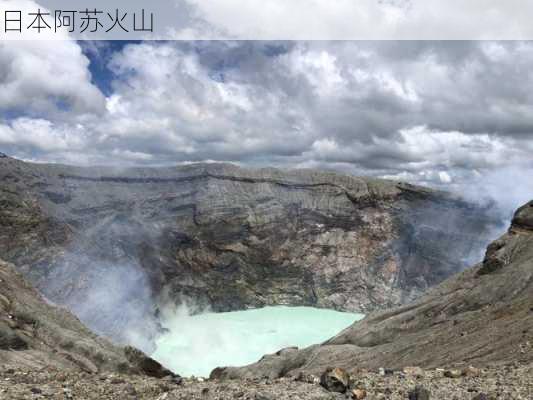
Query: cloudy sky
{"points": [[311, 19], [435, 113]]}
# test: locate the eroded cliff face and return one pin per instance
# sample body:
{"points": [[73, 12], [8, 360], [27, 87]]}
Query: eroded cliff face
{"points": [[229, 238], [481, 316]]}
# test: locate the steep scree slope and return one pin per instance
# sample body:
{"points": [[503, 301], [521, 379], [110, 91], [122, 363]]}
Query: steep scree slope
{"points": [[35, 334]]}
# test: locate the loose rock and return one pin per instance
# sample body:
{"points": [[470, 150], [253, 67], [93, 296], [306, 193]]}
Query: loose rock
{"points": [[385, 371], [453, 373], [413, 371], [358, 394], [419, 393], [335, 380], [471, 371]]}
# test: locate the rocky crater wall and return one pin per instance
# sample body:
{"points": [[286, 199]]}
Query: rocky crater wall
{"points": [[228, 238]]}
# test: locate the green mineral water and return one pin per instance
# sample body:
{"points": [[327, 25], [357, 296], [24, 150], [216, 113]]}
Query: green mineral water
{"points": [[195, 345]]}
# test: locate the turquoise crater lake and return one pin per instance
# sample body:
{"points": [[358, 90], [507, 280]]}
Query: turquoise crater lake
{"points": [[196, 344]]}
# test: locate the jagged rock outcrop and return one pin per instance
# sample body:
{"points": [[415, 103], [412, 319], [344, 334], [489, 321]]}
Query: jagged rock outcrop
{"points": [[523, 218], [481, 316], [35, 334], [227, 238]]}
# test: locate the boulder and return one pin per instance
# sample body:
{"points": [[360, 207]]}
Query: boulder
{"points": [[335, 380], [471, 372], [386, 371], [494, 257], [523, 217], [453, 373], [10, 340], [145, 364], [217, 373], [287, 350]]}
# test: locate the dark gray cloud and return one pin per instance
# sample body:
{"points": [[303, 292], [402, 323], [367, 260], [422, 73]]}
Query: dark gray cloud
{"points": [[440, 113]]}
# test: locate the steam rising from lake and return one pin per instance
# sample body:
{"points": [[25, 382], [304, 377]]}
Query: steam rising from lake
{"points": [[195, 345]]}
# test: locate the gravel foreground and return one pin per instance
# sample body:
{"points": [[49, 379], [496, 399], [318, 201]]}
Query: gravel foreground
{"points": [[502, 382]]}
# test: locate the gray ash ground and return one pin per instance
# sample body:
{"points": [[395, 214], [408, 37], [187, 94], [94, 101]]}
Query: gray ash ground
{"points": [[504, 382]]}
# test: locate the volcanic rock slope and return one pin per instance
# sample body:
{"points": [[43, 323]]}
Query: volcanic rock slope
{"points": [[37, 335], [481, 316], [232, 238]]}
